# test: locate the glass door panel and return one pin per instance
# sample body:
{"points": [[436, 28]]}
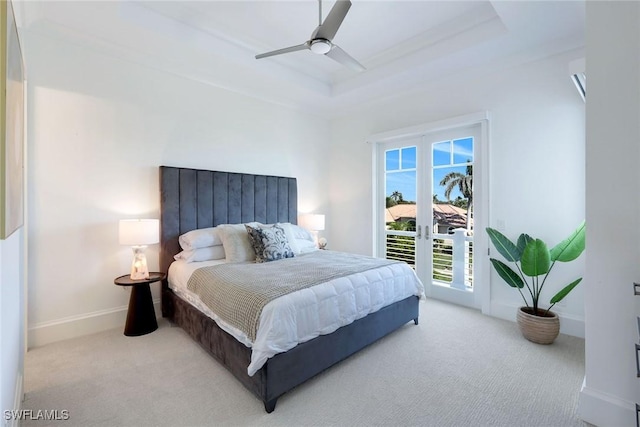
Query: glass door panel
{"points": [[452, 205], [452, 156], [400, 190]]}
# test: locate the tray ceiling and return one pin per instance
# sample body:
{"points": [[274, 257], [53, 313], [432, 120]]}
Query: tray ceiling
{"points": [[403, 44]]}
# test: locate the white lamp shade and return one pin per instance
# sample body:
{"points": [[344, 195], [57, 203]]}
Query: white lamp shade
{"points": [[314, 222], [139, 232]]}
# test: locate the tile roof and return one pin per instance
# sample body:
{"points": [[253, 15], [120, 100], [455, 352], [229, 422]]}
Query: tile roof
{"points": [[443, 213]]}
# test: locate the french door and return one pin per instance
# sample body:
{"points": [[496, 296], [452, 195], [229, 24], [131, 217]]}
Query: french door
{"points": [[427, 188]]}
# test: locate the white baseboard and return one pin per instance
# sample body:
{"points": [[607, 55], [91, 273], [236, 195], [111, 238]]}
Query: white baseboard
{"points": [[76, 326], [17, 399], [602, 409], [570, 325]]}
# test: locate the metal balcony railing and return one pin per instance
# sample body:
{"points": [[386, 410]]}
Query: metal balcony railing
{"points": [[401, 246], [442, 259], [452, 262]]}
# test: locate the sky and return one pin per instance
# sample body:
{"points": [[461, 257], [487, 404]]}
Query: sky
{"points": [[447, 156]]}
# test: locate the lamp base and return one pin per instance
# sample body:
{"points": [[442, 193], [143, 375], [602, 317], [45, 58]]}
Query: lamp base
{"points": [[139, 269], [322, 243]]}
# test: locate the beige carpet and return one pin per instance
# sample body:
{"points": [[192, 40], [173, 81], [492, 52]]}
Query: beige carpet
{"points": [[456, 368]]}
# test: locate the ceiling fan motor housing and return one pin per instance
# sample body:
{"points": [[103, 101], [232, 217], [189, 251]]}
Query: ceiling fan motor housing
{"points": [[320, 46]]}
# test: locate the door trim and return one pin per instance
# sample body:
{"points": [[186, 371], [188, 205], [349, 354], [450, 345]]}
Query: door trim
{"points": [[417, 130]]}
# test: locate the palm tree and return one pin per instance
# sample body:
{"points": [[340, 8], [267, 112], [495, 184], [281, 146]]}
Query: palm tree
{"points": [[396, 196], [464, 183]]}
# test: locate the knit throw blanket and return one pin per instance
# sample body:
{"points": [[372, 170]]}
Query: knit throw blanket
{"points": [[237, 292]]}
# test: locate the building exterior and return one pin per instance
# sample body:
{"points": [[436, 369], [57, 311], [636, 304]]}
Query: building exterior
{"points": [[446, 217]]}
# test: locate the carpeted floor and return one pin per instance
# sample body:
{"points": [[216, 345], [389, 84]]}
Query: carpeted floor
{"points": [[456, 368]]}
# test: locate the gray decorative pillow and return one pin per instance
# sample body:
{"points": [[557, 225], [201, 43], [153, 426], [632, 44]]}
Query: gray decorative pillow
{"points": [[269, 243]]}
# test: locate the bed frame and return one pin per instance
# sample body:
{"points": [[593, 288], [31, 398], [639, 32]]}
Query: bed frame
{"points": [[192, 199]]}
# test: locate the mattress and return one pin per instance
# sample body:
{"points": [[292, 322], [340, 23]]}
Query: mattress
{"points": [[303, 315]]}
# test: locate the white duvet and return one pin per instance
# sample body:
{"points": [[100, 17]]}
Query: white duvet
{"points": [[303, 315]]}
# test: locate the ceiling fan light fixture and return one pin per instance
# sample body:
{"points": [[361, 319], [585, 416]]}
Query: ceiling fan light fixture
{"points": [[320, 46]]}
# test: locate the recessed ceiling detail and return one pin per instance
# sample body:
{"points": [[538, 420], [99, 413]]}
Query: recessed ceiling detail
{"points": [[402, 44]]}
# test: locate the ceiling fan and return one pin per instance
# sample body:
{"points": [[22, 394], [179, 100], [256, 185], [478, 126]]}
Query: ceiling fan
{"points": [[320, 41]]}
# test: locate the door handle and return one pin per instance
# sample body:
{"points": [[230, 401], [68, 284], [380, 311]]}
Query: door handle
{"points": [[426, 232], [419, 232]]}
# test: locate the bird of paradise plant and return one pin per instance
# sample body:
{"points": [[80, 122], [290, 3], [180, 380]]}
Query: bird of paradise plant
{"points": [[533, 262]]}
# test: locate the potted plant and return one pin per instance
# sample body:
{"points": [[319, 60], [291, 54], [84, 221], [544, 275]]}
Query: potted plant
{"points": [[533, 262]]}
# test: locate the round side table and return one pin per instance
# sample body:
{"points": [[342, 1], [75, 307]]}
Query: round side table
{"points": [[141, 317]]}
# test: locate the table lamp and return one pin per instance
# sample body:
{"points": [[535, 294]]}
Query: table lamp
{"points": [[313, 223], [138, 233]]}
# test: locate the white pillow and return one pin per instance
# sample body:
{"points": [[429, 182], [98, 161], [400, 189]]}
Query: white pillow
{"points": [[200, 238], [202, 254], [305, 246], [301, 233], [235, 239]]}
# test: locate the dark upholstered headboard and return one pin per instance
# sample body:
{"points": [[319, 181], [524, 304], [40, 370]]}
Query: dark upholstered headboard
{"points": [[192, 198]]}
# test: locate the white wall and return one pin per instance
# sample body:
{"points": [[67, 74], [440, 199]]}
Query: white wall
{"points": [[99, 129], [536, 162], [613, 211], [11, 321]]}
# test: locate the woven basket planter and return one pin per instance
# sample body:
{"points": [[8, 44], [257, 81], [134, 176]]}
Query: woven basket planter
{"points": [[541, 329]]}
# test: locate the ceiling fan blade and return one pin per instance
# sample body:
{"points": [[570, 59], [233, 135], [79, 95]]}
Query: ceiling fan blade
{"points": [[344, 58], [296, 48], [330, 26]]}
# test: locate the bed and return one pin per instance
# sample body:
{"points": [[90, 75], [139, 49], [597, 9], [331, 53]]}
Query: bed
{"points": [[194, 199]]}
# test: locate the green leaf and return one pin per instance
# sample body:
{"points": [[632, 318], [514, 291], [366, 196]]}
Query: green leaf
{"points": [[523, 240], [507, 274], [563, 293], [535, 258], [571, 247], [505, 247]]}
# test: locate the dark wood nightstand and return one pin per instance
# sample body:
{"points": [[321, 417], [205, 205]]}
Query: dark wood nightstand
{"points": [[141, 317]]}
